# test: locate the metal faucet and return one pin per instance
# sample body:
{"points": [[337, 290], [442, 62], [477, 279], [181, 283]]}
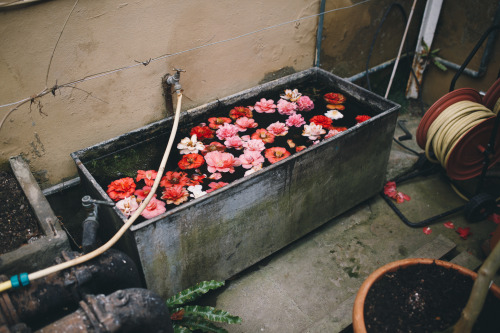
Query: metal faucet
{"points": [[173, 80]]}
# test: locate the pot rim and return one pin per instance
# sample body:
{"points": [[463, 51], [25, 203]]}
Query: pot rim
{"points": [[358, 320]]}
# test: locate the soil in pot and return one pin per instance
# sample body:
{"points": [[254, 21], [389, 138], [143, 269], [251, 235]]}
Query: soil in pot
{"points": [[424, 298], [18, 224]]}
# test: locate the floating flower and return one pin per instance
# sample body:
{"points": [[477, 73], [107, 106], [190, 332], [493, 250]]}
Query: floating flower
{"points": [[331, 133], [290, 143], [254, 145], [121, 188], [295, 120], [148, 176], [338, 107], [240, 111], [227, 131], [202, 132], [313, 131], [340, 129], [324, 121], [234, 142], [251, 158], [253, 170], [191, 161], [464, 232], [222, 162], [244, 123], [245, 138], [265, 106], [449, 225], [175, 195], [127, 205], [361, 118], [278, 129], [427, 230], [287, 108], [216, 176], [263, 135], [276, 154], [154, 208], [334, 114], [334, 98], [300, 148], [141, 194], [213, 146], [190, 145], [216, 122], [304, 103], [214, 186], [291, 95], [172, 178], [197, 179], [196, 191]]}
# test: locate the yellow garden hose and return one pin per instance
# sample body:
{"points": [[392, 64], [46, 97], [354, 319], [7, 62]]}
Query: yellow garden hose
{"points": [[24, 278]]}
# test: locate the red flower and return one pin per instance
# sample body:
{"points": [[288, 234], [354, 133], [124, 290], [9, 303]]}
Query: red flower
{"points": [[191, 161], [214, 186], [276, 154], [323, 121], [449, 225], [464, 232], [240, 111], [390, 189], [401, 197], [427, 230], [141, 194], [216, 122], [172, 178], [175, 194], [334, 98], [202, 132], [213, 146], [340, 129], [148, 176], [300, 148], [263, 135], [197, 179], [361, 118], [121, 188], [339, 107]]}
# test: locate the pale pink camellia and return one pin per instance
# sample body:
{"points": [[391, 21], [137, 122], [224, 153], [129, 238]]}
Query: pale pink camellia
{"points": [[245, 138], [264, 135], [244, 123], [234, 142], [295, 120], [221, 162], [265, 106], [127, 205], [227, 131], [304, 103], [216, 176], [313, 131], [148, 176], [214, 186], [291, 95], [254, 145], [176, 194], [278, 129], [141, 194], [287, 108], [154, 208], [331, 133], [251, 158]]}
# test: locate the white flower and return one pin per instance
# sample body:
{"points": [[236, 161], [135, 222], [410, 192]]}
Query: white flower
{"points": [[334, 114], [190, 146], [313, 131], [291, 95], [127, 205], [196, 191]]}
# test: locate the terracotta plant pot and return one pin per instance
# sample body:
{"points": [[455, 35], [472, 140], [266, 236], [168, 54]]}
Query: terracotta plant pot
{"points": [[359, 303]]}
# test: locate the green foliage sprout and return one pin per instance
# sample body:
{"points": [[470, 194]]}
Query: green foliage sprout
{"points": [[430, 56], [188, 318]]}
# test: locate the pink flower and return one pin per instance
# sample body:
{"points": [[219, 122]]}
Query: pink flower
{"points": [[313, 131], [222, 162], [254, 145], [243, 123], [234, 142], [176, 195], [401, 197], [154, 208], [215, 176], [278, 129], [127, 205], [331, 133], [287, 108], [427, 230], [148, 176], [142, 193], [304, 103], [264, 135], [276, 154], [227, 131], [251, 158], [362, 118], [265, 106], [295, 120], [214, 186]]}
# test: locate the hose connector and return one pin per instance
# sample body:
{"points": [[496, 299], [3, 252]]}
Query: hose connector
{"points": [[173, 80]]}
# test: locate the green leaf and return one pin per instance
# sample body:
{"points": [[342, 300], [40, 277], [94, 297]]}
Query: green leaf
{"points": [[202, 325], [193, 293], [440, 65], [181, 329], [210, 313]]}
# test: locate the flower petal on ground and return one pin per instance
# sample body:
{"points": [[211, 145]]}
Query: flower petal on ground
{"points": [[427, 230], [449, 225], [464, 232]]}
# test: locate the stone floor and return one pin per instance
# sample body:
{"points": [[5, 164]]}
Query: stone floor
{"points": [[310, 285]]}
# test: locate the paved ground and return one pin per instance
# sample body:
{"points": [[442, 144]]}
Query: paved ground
{"points": [[310, 285]]}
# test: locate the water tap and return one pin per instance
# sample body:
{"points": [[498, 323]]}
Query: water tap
{"points": [[173, 80], [91, 224]]}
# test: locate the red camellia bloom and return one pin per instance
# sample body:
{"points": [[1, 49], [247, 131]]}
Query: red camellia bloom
{"points": [[361, 118], [276, 154], [202, 132], [175, 195], [216, 122], [263, 135], [464, 232], [323, 121], [197, 179], [213, 146], [172, 178], [340, 129], [121, 188], [240, 111], [214, 186], [148, 176], [334, 98], [191, 161]]}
